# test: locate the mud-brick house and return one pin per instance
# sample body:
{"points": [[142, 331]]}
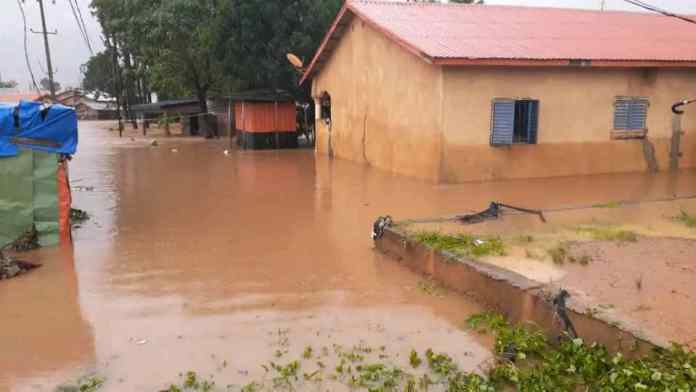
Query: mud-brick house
{"points": [[454, 93]]}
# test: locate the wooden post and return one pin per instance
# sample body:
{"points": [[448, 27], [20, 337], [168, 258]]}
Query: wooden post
{"points": [[674, 153]]}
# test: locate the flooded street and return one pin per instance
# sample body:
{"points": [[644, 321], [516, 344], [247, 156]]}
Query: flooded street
{"points": [[193, 257]]}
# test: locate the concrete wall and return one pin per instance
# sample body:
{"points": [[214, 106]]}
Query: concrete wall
{"points": [[575, 121], [386, 105]]}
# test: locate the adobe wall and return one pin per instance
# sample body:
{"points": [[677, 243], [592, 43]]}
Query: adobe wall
{"points": [[575, 121], [386, 105]]}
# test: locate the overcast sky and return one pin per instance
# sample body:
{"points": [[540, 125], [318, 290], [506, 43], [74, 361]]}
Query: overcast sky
{"points": [[69, 50]]}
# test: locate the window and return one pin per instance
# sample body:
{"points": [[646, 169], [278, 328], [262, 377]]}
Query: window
{"points": [[514, 121], [630, 113]]}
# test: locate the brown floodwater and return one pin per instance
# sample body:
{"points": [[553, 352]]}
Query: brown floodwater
{"points": [[194, 257]]}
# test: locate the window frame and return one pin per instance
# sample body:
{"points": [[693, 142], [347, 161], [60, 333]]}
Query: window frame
{"points": [[622, 123], [504, 117]]}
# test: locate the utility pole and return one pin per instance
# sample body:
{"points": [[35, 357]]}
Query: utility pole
{"points": [[604, 3], [48, 51]]}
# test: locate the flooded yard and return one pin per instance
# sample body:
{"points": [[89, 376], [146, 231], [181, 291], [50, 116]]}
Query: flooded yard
{"points": [[193, 258]]}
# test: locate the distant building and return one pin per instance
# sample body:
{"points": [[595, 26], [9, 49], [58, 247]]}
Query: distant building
{"points": [[455, 93], [13, 96], [87, 105], [186, 111]]}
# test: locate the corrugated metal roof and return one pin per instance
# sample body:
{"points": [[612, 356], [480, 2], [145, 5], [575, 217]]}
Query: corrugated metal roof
{"points": [[262, 95], [15, 97], [458, 34]]}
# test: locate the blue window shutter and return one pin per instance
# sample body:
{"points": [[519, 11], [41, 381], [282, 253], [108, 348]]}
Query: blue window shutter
{"points": [[502, 122], [533, 121], [621, 113], [638, 112]]}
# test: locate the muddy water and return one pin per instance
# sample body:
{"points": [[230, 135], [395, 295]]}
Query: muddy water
{"points": [[193, 257]]}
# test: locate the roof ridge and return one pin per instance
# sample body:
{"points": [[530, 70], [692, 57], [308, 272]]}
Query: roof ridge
{"points": [[502, 6]]}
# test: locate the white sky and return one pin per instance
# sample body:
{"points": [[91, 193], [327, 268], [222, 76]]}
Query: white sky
{"points": [[69, 50]]}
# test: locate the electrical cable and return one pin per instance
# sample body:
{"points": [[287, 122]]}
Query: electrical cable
{"points": [[79, 25], [84, 26], [26, 47], [653, 8]]}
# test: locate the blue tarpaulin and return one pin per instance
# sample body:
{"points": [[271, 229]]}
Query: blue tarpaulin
{"points": [[32, 125]]}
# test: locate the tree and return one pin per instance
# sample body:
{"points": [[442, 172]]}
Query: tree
{"points": [[98, 75], [8, 84], [46, 84], [203, 47], [260, 33]]}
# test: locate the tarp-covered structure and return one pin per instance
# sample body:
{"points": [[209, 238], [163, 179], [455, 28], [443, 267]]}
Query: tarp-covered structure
{"points": [[35, 141]]}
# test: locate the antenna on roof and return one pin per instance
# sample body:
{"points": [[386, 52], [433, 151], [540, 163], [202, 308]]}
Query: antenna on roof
{"points": [[296, 62]]}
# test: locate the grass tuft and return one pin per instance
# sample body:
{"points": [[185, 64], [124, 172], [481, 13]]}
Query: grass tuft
{"points": [[561, 254], [462, 244], [611, 204], [686, 219], [609, 234]]}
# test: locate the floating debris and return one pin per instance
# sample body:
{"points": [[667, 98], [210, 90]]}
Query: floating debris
{"points": [[80, 188], [26, 242], [77, 215], [494, 211], [10, 267]]}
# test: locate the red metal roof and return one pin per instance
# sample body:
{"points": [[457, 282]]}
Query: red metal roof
{"points": [[15, 97], [455, 34]]}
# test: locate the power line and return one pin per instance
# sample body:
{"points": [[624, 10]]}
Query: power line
{"points": [[26, 48], [84, 26], [653, 8], [77, 20], [80, 26]]}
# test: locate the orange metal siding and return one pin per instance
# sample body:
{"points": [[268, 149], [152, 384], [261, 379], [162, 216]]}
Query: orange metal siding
{"points": [[264, 116]]}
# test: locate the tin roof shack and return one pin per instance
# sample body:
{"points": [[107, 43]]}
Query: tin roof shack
{"points": [[455, 93], [186, 111], [265, 119], [87, 106]]}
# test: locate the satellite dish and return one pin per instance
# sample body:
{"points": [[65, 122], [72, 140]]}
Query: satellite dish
{"points": [[295, 61]]}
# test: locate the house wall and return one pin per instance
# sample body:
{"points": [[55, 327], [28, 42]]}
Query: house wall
{"points": [[575, 121], [385, 102]]}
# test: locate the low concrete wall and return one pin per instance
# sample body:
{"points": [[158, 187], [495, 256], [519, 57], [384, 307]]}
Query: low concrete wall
{"points": [[517, 297]]}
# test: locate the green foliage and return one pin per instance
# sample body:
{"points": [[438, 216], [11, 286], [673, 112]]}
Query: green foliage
{"points": [[414, 359], [98, 74], [525, 362], [462, 244], [191, 47], [611, 204], [84, 384], [45, 84], [192, 383], [514, 342], [560, 254], [609, 234], [307, 353], [686, 219], [574, 366], [8, 84]]}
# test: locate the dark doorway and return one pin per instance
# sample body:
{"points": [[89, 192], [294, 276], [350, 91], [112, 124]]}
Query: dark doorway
{"points": [[195, 127]]}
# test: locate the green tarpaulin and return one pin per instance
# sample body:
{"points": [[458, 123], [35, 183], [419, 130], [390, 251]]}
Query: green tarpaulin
{"points": [[29, 196]]}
